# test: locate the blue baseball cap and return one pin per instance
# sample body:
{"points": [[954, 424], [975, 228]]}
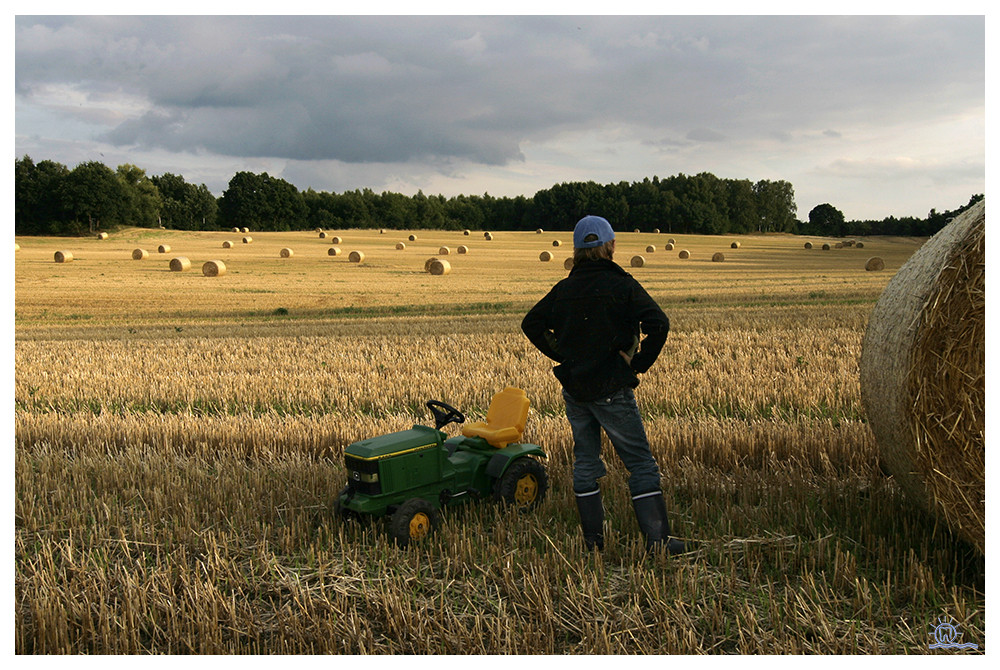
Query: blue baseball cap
{"points": [[592, 231]]}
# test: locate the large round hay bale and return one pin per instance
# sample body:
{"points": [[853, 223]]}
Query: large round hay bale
{"points": [[247, 240], [163, 249], [462, 249], [228, 244], [671, 240], [102, 236], [808, 245], [557, 243], [427, 263], [669, 246], [356, 256], [637, 261], [17, 247], [213, 269], [236, 229], [874, 264], [440, 267], [735, 245], [923, 375], [400, 245], [488, 236], [63, 256], [568, 263], [139, 254], [322, 235], [333, 251], [656, 231], [539, 231], [650, 248], [412, 238], [684, 254], [286, 253], [860, 245], [336, 240], [826, 247], [179, 264], [444, 251], [718, 257], [545, 256], [245, 229], [466, 232]]}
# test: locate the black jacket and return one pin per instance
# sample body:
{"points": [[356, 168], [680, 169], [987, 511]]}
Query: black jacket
{"points": [[587, 319]]}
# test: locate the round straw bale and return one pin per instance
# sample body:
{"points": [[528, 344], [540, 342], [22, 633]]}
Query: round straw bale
{"points": [[636, 230], [568, 263], [656, 230], [637, 261], [557, 243], [179, 264], [684, 253], [826, 247], [466, 232], [235, 229], [669, 246], [247, 239], [333, 251], [874, 264], [245, 229], [718, 257], [440, 267], [838, 245], [923, 375], [545, 256], [488, 236], [63, 256], [650, 248], [213, 269], [319, 230], [139, 254], [287, 253], [444, 251], [336, 240], [356, 256], [671, 240], [412, 238], [17, 247], [462, 249], [808, 245], [860, 245], [228, 244], [102, 236], [539, 231], [400, 245], [322, 235], [734, 245], [427, 263], [163, 249]]}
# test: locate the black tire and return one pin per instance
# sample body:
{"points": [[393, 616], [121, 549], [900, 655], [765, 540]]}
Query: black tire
{"points": [[523, 485], [342, 512], [414, 520]]}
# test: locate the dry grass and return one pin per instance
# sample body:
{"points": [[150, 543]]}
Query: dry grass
{"points": [[191, 512]]}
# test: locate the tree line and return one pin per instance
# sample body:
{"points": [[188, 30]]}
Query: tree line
{"points": [[51, 199]]}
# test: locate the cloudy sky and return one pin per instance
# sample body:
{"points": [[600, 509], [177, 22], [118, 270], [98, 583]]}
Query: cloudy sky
{"points": [[876, 115]]}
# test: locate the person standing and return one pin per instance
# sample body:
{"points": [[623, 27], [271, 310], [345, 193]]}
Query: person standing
{"points": [[590, 324]]}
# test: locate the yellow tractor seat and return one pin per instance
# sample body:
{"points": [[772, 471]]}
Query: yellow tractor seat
{"points": [[505, 419]]}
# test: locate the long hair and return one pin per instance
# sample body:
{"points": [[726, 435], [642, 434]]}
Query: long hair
{"points": [[606, 250]]}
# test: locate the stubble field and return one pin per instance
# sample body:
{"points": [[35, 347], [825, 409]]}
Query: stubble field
{"points": [[179, 440]]}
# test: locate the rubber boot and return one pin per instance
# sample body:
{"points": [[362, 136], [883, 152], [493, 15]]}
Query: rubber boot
{"points": [[591, 510], [651, 513]]}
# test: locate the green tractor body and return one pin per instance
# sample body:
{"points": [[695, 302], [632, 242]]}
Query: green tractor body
{"points": [[422, 469]]}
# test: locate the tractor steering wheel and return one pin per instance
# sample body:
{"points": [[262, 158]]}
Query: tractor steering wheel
{"points": [[444, 414]]}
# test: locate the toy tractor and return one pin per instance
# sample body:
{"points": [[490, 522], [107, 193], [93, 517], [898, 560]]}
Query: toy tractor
{"points": [[410, 475]]}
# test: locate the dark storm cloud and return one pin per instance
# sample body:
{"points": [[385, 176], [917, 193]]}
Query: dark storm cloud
{"points": [[396, 89]]}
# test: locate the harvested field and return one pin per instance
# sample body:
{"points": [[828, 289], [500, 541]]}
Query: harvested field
{"points": [[191, 512]]}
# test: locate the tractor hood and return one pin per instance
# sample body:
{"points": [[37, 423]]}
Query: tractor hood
{"points": [[415, 439]]}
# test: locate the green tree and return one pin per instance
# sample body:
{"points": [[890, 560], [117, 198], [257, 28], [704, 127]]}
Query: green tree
{"points": [[143, 201], [826, 219], [96, 198]]}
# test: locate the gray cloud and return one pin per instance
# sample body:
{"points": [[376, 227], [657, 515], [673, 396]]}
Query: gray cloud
{"points": [[397, 89]]}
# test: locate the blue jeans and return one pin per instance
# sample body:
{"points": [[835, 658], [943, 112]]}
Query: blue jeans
{"points": [[619, 416]]}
